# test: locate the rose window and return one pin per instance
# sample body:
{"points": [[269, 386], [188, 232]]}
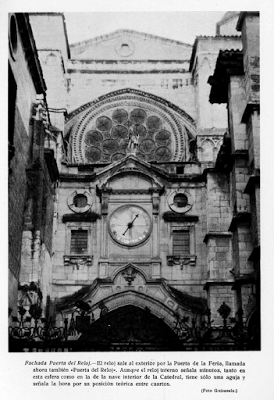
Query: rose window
{"points": [[107, 139]]}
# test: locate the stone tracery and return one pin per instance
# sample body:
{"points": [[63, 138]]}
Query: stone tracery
{"points": [[101, 134], [110, 136]]}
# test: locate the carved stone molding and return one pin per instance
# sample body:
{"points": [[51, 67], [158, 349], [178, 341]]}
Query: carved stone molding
{"points": [[181, 260], [168, 123], [174, 119], [78, 261], [180, 209], [78, 209], [129, 274]]}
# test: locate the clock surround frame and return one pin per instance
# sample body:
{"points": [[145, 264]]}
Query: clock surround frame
{"points": [[140, 242]]}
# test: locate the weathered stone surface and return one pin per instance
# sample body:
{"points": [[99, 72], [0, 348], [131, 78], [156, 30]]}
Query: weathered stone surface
{"points": [[132, 129]]}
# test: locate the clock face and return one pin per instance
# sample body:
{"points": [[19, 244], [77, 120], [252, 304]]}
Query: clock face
{"points": [[130, 225]]}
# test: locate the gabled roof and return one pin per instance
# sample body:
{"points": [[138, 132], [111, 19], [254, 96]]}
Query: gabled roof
{"points": [[136, 165], [125, 44], [119, 32]]}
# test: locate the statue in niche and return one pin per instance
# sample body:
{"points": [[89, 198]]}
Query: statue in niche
{"points": [[133, 142], [66, 152], [193, 150]]}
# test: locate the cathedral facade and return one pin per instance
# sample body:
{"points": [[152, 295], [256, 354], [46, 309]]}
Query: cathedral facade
{"points": [[138, 223]]}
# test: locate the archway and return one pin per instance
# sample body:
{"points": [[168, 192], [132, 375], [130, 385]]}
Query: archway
{"points": [[129, 328]]}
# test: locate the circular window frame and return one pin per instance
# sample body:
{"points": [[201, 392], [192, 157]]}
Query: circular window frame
{"points": [[13, 36], [71, 204], [172, 205], [124, 42], [180, 200]]}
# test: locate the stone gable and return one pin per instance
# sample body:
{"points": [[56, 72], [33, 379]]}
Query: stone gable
{"points": [[130, 45]]}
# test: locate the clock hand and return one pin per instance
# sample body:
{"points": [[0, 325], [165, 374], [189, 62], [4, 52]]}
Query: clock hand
{"points": [[130, 224], [136, 216]]}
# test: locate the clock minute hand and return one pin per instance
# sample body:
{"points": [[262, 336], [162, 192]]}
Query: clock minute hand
{"points": [[130, 224]]}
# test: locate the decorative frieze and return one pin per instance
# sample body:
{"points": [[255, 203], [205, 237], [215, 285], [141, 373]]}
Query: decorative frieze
{"points": [[78, 261], [181, 260]]}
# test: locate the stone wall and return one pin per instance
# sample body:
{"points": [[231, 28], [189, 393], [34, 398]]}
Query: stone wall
{"points": [[250, 27], [17, 193], [174, 87], [22, 138]]}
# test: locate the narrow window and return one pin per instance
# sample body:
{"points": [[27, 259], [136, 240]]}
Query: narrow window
{"points": [[181, 243], [79, 242]]}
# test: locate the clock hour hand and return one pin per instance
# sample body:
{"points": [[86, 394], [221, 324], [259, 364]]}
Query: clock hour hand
{"points": [[130, 224]]}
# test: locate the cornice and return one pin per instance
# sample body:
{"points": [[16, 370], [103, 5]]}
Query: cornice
{"points": [[208, 284], [255, 254], [241, 280], [215, 39], [229, 62], [252, 184], [129, 71], [81, 217], [170, 216], [125, 62], [249, 110], [214, 234], [76, 177]]}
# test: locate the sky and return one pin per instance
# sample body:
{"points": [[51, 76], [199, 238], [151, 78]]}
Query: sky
{"points": [[179, 25]]}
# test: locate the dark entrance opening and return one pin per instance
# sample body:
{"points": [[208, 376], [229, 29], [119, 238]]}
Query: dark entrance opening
{"points": [[129, 328]]}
